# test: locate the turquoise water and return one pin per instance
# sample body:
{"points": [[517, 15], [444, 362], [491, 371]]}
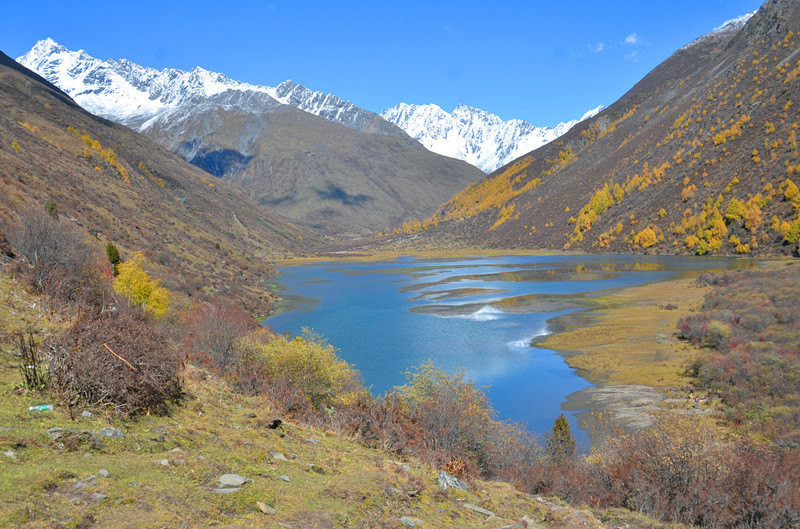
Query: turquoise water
{"points": [[477, 314]]}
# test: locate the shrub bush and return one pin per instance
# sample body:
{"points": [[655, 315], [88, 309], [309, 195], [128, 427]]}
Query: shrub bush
{"points": [[120, 359], [308, 363], [59, 263], [212, 331]]}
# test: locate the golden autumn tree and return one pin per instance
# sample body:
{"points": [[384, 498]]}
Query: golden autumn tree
{"points": [[140, 289]]}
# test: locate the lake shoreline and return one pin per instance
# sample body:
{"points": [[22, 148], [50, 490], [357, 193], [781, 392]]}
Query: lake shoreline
{"points": [[626, 345]]}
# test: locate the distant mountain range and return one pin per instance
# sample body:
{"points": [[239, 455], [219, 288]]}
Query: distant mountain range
{"points": [[308, 156], [473, 135], [134, 95]]}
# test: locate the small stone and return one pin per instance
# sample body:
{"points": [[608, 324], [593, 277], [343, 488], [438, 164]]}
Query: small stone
{"points": [[227, 490], [103, 472], [266, 509], [394, 490], [477, 509], [97, 497], [10, 454], [413, 493], [232, 480], [407, 468], [285, 478], [274, 423], [446, 481], [279, 456], [313, 441], [163, 462], [249, 415], [87, 414], [409, 521], [111, 433]]}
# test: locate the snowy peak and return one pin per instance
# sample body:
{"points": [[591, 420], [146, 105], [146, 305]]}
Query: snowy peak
{"points": [[137, 96], [132, 94], [332, 108], [476, 136], [121, 90], [727, 27]]}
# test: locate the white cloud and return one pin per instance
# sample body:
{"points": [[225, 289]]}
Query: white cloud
{"points": [[632, 56], [633, 39], [596, 48]]}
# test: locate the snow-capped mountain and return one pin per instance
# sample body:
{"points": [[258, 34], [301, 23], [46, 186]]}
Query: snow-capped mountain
{"points": [[128, 93], [727, 27], [473, 135], [135, 95]]}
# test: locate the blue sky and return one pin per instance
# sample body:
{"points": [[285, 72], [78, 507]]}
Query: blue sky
{"points": [[544, 62]]}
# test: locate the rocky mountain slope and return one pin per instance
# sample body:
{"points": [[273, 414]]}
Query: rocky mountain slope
{"points": [[334, 178], [201, 234], [473, 135], [699, 157], [346, 172]]}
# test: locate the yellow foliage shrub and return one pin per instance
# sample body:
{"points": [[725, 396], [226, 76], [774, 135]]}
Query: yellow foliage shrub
{"points": [[140, 289], [310, 363]]}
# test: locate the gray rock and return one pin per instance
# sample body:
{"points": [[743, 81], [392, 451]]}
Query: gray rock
{"points": [[446, 481], [477, 509], [57, 433], [279, 456], [394, 490], [10, 454], [313, 441], [249, 415], [111, 433], [103, 472], [163, 462], [227, 490], [98, 497], [232, 480], [410, 522], [87, 413], [406, 468], [285, 478], [266, 509]]}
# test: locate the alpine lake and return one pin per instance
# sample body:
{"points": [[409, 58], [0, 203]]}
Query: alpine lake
{"points": [[481, 315]]}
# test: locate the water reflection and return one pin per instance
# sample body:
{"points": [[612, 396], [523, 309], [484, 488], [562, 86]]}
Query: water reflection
{"points": [[479, 314]]}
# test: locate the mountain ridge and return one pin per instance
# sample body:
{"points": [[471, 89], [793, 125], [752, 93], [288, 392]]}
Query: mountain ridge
{"points": [[700, 156], [308, 156], [203, 237], [476, 136]]}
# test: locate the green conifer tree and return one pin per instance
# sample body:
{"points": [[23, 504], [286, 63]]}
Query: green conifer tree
{"points": [[560, 444]]}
